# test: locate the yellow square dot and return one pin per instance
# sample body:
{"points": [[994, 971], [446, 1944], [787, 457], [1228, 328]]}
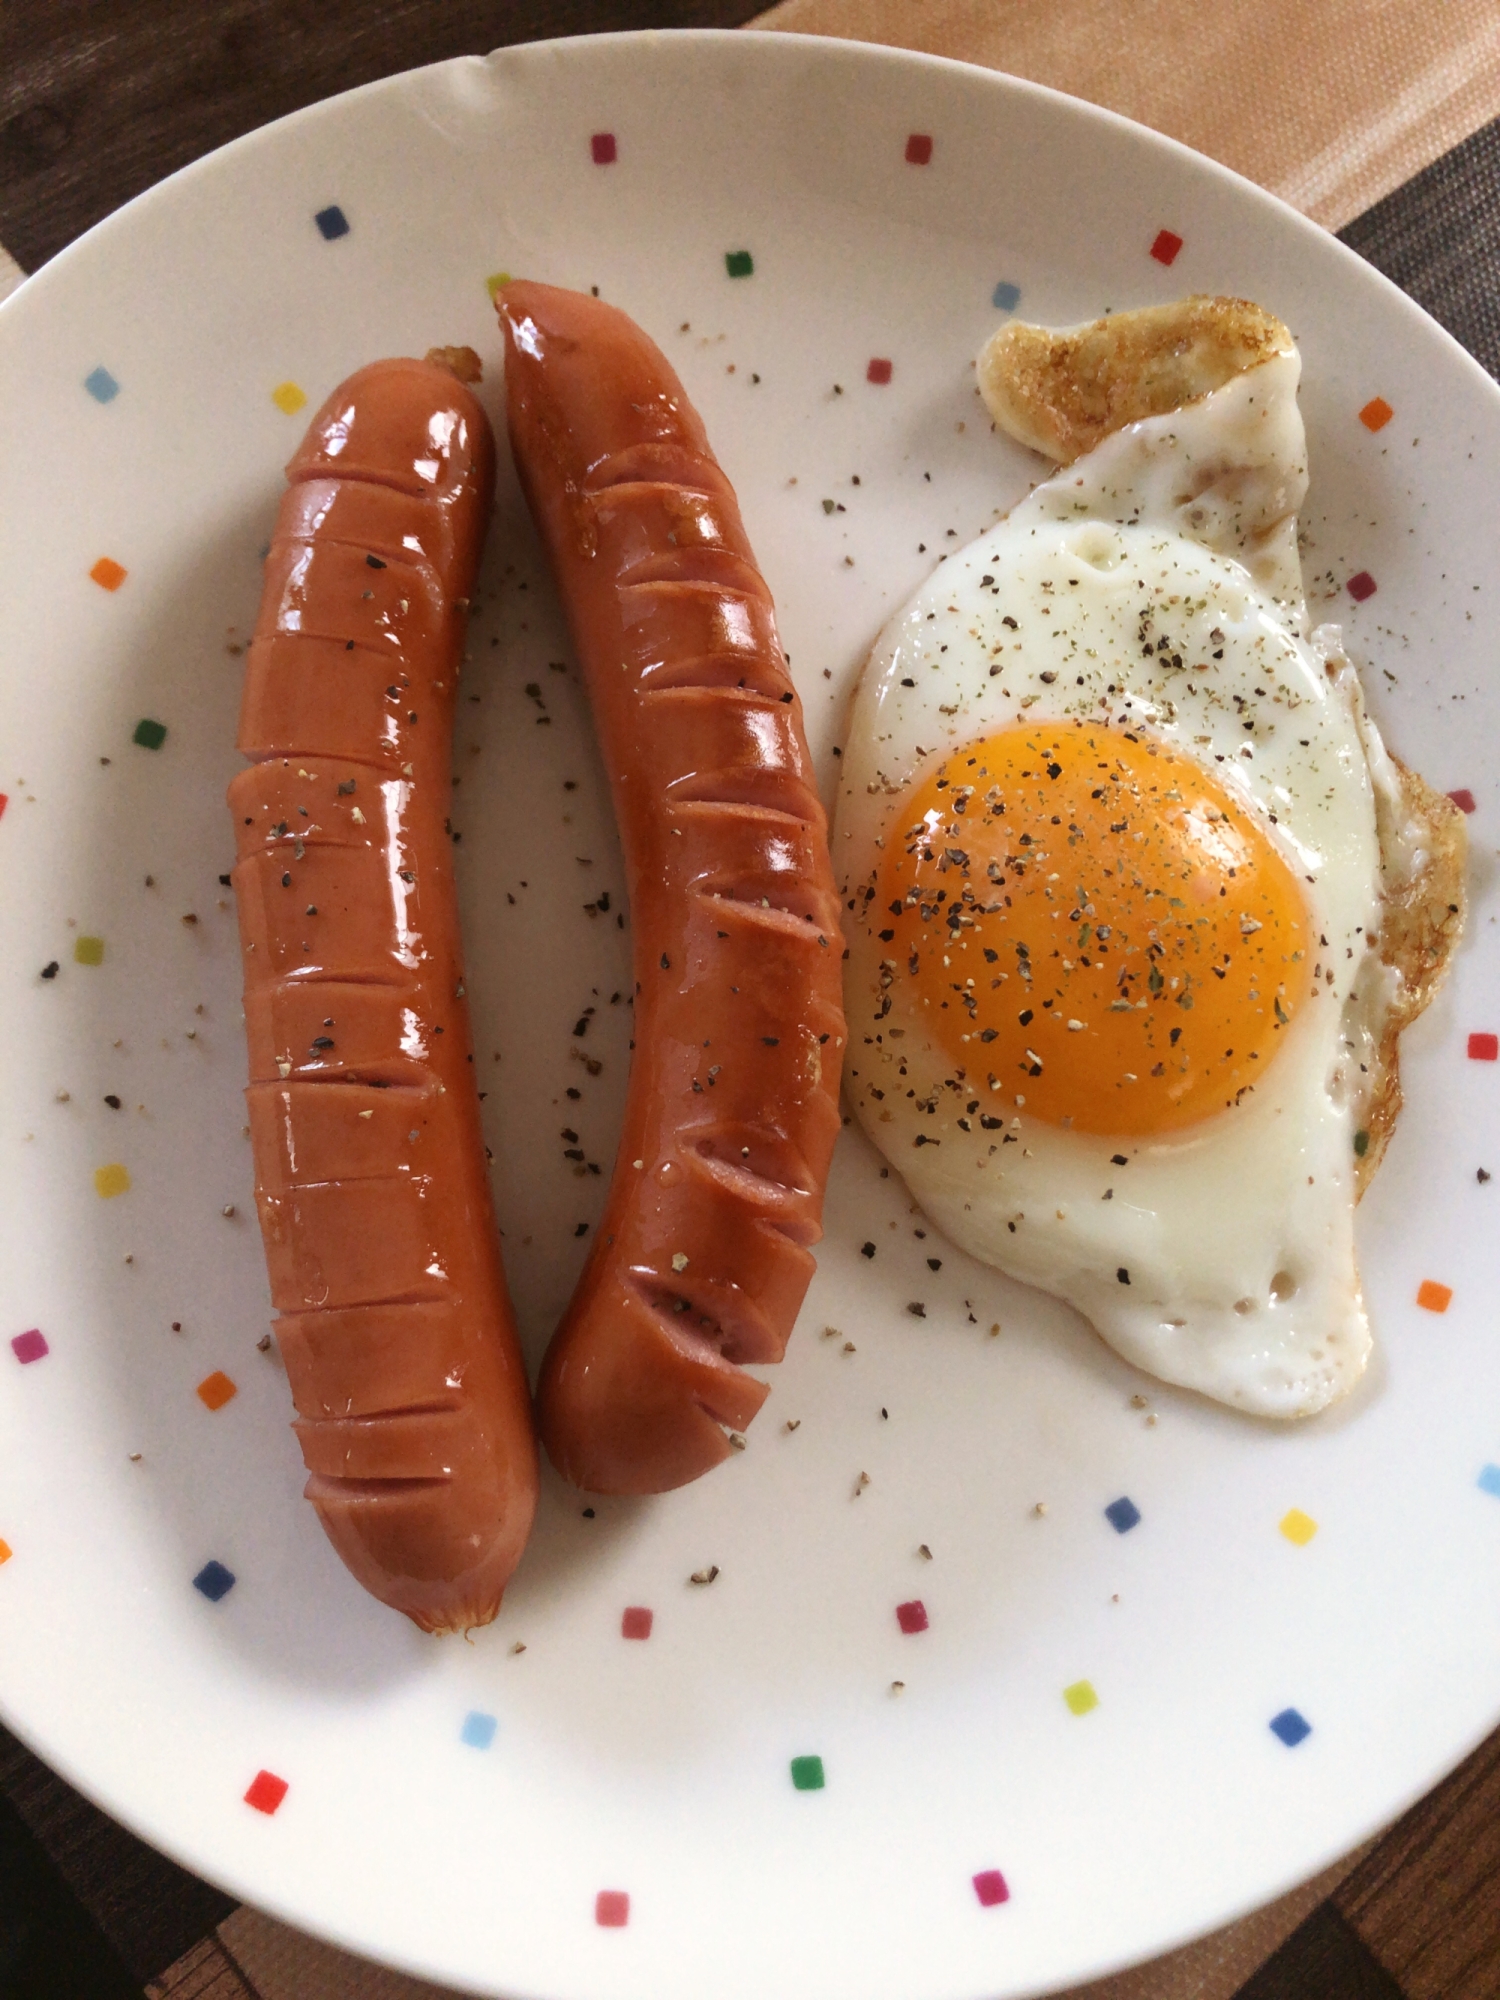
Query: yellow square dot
{"points": [[111, 1180], [1080, 1697], [88, 950], [287, 396], [1298, 1527], [496, 279], [5, 1552]]}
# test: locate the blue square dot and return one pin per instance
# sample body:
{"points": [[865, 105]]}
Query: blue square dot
{"points": [[1006, 296], [332, 222], [101, 385], [1489, 1480], [478, 1730], [1290, 1727], [214, 1581], [1122, 1515]]}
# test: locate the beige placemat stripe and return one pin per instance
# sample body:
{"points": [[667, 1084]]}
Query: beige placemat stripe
{"points": [[283, 1964], [1330, 106], [204, 1973], [11, 273]]}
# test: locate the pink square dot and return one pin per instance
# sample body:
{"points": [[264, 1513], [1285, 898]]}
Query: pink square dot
{"points": [[266, 1791], [1166, 246], [636, 1622], [1484, 1048], [612, 1909], [990, 1887], [878, 371], [1463, 798], [912, 1617], [1361, 585], [603, 148], [918, 149], [30, 1346]]}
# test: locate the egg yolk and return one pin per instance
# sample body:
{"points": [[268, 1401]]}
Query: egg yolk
{"points": [[1091, 924]]}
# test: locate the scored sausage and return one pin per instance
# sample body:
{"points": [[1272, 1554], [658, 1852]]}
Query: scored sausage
{"points": [[702, 1259], [395, 1325]]}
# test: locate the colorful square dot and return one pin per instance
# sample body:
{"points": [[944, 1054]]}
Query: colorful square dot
{"points": [[496, 282], [1489, 1480], [30, 1346], [1122, 1515], [612, 1909], [1290, 1727], [1297, 1526], [4, 802], [214, 1581], [150, 735], [88, 951], [1463, 798], [738, 263], [918, 149], [332, 222], [1006, 296], [807, 1774], [1433, 1297], [1361, 585], [478, 1729], [1166, 246], [101, 385], [912, 1617], [111, 1180], [1484, 1048], [217, 1389], [991, 1887], [108, 574], [1081, 1697], [266, 1791], [6, 1552], [878, 371], [1376, 414], [636, 1621], [288, 397], [603, 148]]}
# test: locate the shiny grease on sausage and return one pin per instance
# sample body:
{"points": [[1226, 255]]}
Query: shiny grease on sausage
{"points": [[394, 1321], [701, 1261]]}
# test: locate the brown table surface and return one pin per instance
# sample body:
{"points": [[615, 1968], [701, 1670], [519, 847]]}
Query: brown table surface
{"points": [[1379, 119]]}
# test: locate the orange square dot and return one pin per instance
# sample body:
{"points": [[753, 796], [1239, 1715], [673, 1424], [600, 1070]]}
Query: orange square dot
{"points": [[5, 1552], [1432, 1296], [108, 574], [216, 1389], [1376, 414]]}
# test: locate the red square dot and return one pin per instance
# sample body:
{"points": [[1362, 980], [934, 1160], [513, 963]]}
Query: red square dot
{"points": [[603, 148], [879, 372], [636, 1622], [1166, 246], [612, 1909], [266, 1791], [912, 1617], [1361, 586], [1484, 1048], [918, 149], [990, 1887], [1463, 798]]}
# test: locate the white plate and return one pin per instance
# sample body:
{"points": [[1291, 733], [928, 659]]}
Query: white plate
{"points": [[664, 1769]]}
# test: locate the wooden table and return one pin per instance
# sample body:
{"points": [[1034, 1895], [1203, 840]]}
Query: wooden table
{"points": [[1379, 118]]}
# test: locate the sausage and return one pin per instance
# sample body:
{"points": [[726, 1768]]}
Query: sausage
{"points": [[394, 1322], [702, 1258]]}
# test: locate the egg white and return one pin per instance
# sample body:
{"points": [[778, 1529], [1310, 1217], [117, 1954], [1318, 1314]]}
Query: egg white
{"points": [[1221, 1255]]}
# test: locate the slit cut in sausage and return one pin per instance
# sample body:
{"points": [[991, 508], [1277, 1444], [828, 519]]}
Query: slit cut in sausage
{"points": [[702, 1259], [394, 1322]]}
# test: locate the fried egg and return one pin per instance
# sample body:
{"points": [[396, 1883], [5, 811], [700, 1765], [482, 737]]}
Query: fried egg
{"points": [[1136, 900]]}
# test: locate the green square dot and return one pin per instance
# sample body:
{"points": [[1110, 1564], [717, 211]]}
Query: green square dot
{"points": [[1080, 1697], [807, 1774], [88, 950], [150, 735], [738, 263]]}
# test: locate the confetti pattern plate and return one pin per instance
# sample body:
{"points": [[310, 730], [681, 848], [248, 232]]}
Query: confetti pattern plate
{"points": [[988, 1665]]}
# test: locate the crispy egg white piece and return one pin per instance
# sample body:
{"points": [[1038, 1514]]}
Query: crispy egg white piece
{"points": [[1150, 594]]}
